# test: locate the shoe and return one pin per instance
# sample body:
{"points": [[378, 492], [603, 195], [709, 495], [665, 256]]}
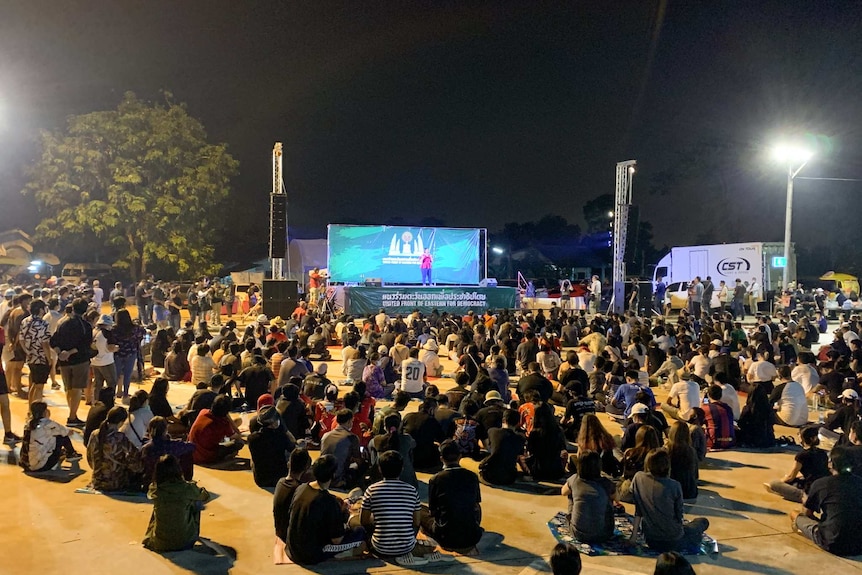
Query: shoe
{"points": [[437, 557], [55, 386], [74, 423], [768, 488], [410, 560], [10, 438], [75, 456]]}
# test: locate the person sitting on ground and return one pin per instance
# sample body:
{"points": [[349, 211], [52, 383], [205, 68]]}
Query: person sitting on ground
{"points": [[361, 423], [565, 560], [175, 524], [729, 394], [698, 435], [414, 378], [658, 500], [683, 396], [315, 530], [316, 382], [788, 400], [298, 466], [375, 379], [391, 508], [214, 433], [843, 417], [317, 342], [426, 431], [139, 419], [269, 448], [394, 440], [838, 500], [672, 563], [160, 443], [594, 437], [535, 381], [454, 514], [683, 459], [639, 415], [646, 440], [755, 420], [500, 467], [718, 420], [256, 380], [625, 396], [591, 500], [428, 356], [809, 465], [46, 443], [202, 365], [343, 445], [98, 412], [579, 405], [546, 447], [115, 461]]}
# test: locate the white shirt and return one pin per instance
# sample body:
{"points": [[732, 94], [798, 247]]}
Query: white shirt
{"points": [[792, 405], [43, 440], [98, 296], [412, 376], [700, 366], [754, 289], [203, 368], [587, 360], [430, 359], [731, 398], [806, 375], [104, 357], [688, 393], [135, 427], [761, 370]]}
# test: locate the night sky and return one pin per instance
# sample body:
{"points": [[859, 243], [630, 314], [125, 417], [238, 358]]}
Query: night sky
{"points": [[475, 113]]}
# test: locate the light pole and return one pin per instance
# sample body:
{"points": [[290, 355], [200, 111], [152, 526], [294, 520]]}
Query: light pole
{"points": [[790, 155]]}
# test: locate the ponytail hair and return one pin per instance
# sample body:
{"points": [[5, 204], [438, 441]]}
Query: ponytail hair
{"points": [[37, 412], [392, 441], [116, 416]]}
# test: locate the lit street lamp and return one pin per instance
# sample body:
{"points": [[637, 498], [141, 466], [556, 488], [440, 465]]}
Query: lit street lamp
{"points": [[791, 156]]}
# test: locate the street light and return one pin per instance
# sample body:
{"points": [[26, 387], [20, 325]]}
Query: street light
{"points": [[791, 155]]}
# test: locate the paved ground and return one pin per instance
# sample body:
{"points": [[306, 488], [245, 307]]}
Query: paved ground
{"points": [[49, 528]]}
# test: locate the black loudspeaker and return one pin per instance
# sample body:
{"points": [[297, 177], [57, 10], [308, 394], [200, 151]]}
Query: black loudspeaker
{"points": [[280, 297], [277, 226]]}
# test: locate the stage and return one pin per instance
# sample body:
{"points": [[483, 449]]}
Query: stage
{"points": [[364, 300]]}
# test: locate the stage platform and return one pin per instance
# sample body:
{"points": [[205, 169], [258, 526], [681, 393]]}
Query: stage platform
{"points": [[363, 300]]}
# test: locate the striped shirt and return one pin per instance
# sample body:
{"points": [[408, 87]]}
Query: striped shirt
{"points": [[393, 504]]}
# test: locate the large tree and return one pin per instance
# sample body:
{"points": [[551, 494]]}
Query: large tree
{"points": [[142, 179]]}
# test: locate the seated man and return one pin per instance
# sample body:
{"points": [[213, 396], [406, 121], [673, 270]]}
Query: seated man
{"points": [[683, 396], [316, 529], [507, 449], [300, 462], [454, 516], [720, 432], [392, 509], [269, 448], [317, 342], [214, 434], [343, 445], [788, 400], [838, 500]]}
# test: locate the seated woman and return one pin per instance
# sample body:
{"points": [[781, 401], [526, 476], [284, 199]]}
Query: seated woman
{"points": [[45, 441], [214, 434], [646, 440], [546, 446], [594, 437], [755, 421], [160, 443], [160, 406], [591, 496], [375, 379], [393, 440], [177, 364], [658, 500], [115, 462], [139, 419], [683, 459], [176, 520], [809, 465], [269, 448]]}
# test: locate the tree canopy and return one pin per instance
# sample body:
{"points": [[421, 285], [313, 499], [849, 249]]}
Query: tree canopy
{"points": [[141, 179]]}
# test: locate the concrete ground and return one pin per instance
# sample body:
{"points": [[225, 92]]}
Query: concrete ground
{"points": [[51, 529]]}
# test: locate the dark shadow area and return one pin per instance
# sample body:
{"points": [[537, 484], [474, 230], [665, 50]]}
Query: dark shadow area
{"points": [[57, 476], [233, 464], [204, 559], [704, 482], [711, 504], [710, 463], [731, 563], [530, 487]]}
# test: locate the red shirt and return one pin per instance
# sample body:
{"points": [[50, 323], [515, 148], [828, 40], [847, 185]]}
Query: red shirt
{"points": [[206, 433]]}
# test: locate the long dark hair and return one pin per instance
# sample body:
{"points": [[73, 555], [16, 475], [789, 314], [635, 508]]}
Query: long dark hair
{"points": [[167, 469], [138, 400], [116, 416], [392, 441], [160, 388], [124, 327]]}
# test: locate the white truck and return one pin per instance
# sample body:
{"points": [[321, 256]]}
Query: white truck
{"points": [[749, 261]]}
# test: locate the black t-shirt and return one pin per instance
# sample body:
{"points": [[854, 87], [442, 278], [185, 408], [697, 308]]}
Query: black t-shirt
{"points": [[269, 449], [425, 430], [576, 409], [536, 382], [284, 490], [316, 519], [256, 380], [576, 381], [814, 464], [202, 399], [838, 499], [453, 499], [97, 414], [489, 417], [500, 467], [159, 406]]}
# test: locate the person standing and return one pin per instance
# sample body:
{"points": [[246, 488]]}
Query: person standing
{"points": [[104, 369], [425, 262], [71, 342], [658, 295], [36, 342], [315, 281], [723, 298], [737, 305], [755, 294], [595, 294], [15, 363], [634, 296], [708, 289]]}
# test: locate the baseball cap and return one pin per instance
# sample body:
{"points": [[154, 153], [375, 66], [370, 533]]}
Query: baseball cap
{"points": [[639, 409], [321, 368], [264, 399], [849, 394], [106, 320], [382, 350], [717, 342], [493, 396]]}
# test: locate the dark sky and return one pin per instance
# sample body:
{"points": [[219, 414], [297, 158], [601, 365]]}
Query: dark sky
{"points": [[476, 113]]}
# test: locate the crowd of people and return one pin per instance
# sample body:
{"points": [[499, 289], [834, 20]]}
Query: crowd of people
{"points": [[527, 390]]}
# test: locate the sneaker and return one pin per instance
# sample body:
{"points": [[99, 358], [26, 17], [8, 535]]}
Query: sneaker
{"points": [[74, 423], [55, 386], [11, 438], [74, 456], [436, 557], [410, 560]]}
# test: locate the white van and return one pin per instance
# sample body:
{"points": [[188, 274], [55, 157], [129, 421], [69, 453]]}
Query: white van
{"points": [[73, 273]]}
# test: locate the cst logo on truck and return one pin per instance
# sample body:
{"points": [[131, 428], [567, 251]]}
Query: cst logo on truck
{"points": [[733, 266]]}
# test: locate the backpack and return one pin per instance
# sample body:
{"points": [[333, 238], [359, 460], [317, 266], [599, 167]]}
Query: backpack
{"points": [[465, 435]]}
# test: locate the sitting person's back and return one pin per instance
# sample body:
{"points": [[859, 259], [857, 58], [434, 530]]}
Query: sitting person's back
{"points": [[426, 431], [343, 445], [160, 444], [500, 467], [591, 512], [719, 429], [176, 519], [269, 448], [115, 462], [214, 434]]}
